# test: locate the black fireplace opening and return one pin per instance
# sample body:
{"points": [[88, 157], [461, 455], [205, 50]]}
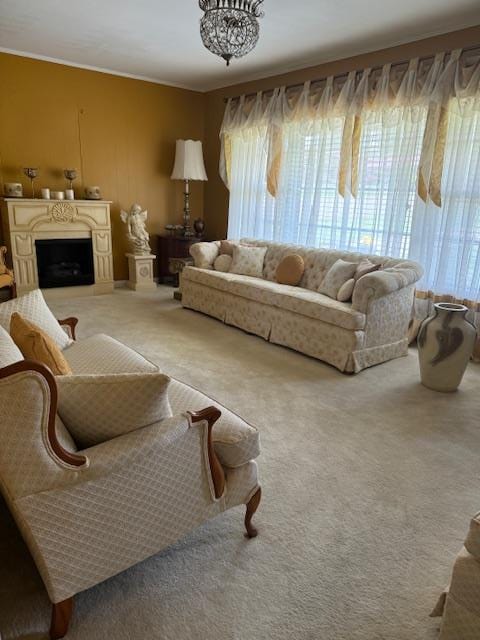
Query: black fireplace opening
{"points": [[65, 262]]}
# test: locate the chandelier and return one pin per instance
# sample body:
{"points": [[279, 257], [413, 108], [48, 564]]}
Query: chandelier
{"points": [[229, 28]]}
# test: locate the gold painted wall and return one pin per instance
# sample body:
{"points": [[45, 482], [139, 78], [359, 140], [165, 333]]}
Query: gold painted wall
{"points": [[216, 195], [118, 133]]}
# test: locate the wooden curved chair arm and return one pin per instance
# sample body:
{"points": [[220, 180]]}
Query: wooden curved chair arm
{"points": [[72, 323], [211, 415], [29, 365]]}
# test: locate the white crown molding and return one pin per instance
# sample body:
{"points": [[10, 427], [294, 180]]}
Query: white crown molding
{"points": [[87, 67]]}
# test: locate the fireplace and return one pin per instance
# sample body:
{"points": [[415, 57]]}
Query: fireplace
{"points": [[65, 263]]}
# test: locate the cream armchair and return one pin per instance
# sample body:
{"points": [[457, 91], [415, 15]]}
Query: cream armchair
{"points": [[88, 515]]}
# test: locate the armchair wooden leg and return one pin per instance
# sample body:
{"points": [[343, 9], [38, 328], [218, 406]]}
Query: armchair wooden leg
{"points": [[61, 615], [252, 506]]}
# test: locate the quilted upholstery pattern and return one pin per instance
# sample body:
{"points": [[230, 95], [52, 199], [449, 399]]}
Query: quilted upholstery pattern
{"points": [[102, 354], [96, 408], [33, 307], [9, 352], [138, 492], [236, 442]]}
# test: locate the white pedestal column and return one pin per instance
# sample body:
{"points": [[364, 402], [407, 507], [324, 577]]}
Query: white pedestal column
{"points": [[140, 271]]}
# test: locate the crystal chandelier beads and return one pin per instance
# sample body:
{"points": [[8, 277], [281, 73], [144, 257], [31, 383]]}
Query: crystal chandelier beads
{"points": [[229, 28]]}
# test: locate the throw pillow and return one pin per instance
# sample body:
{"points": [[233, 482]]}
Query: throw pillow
{"points": [[336, 276], [36, 344], [226, 247], [223, 263], [248, 261], [96, 408], [365, 266], [346, 291], [33, 307], [290, 270], [9, 352]]}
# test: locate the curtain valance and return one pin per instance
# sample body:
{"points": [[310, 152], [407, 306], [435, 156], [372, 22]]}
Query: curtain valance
{"points": [[395, 91]]}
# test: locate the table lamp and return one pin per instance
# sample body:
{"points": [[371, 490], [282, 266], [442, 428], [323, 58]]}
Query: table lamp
{"points": [[188, 166]]}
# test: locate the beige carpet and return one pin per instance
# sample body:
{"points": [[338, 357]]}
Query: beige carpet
{"points": [[369, 482]]}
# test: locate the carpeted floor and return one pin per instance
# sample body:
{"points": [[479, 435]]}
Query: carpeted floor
{"points": [[369, 483]]}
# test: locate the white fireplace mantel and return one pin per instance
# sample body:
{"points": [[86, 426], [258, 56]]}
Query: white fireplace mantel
{"points": [[25, 221]]}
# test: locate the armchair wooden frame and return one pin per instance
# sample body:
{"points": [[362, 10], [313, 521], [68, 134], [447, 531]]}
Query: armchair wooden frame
{"points": [[4, 270], [62, 611]]}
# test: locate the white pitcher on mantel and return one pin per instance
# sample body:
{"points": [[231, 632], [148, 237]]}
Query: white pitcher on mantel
{"points": [[445, 345]]}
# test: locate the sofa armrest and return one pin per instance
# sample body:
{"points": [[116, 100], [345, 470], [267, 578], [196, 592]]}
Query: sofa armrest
{"points": [[31, 456], [204, 254], [381, 283]]}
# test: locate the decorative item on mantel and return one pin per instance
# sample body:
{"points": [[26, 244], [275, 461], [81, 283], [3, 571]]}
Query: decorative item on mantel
{"points": [[93, 193], [32, 173], [140, 261], [70, 175], [229, 28], [188, 166], [445, 345], [13, 190]]}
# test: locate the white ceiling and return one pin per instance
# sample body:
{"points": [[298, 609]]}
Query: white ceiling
{"points": [[159, 40]]}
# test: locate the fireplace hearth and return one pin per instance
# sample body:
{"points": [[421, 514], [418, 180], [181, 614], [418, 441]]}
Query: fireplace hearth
{"points": [[65, 263]]}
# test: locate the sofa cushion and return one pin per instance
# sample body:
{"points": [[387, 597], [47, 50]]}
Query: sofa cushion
{"points": [[98, 407], [9, 352], [248, 261], [308, 303], [102, 354], [33, 307], [223, 263], [290, 270], [235, 441], [36, 344], [346, 291], [339, 273]]}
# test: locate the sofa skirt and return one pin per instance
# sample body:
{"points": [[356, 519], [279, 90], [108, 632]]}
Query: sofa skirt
{"points": [[342, 348]]}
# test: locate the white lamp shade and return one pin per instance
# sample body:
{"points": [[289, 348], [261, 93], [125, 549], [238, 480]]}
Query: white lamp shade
{"points": [[189, 161]]}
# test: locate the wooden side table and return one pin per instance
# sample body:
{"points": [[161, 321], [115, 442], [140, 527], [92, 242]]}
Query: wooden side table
{"points": [[172, 247]]}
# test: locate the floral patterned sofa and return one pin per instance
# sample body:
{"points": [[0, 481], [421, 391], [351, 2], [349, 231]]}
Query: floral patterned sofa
{"points": [[349, 335]]}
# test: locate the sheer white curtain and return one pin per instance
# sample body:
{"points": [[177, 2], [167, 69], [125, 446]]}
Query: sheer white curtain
{"points": [[446, 239], [384, 162]]}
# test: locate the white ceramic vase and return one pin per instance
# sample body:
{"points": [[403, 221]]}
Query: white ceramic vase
{"points": [[445, 345]]}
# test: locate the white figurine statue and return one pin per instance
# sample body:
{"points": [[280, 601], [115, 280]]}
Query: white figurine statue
{"points": [[137, 233]]}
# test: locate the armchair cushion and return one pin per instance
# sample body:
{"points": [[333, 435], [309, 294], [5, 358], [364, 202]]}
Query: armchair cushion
{"points": [[9, 352], [235, 441], [33, 307], [37, 345], [96, 408]]}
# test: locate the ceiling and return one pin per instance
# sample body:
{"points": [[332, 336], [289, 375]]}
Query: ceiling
{"points": [[159, 40]]}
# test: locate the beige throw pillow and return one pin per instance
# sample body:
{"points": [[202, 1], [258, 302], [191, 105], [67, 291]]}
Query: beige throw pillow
{"points": [[96, 408], [226, 247], [290, 270], [365, 266], [346, 291], [336, 276], [248, 261], [36, 344], [223, 263]]}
